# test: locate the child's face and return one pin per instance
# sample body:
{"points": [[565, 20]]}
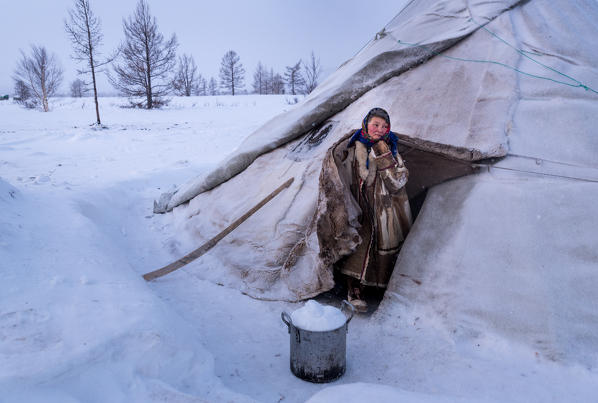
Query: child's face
{"points": [[377, 128]]}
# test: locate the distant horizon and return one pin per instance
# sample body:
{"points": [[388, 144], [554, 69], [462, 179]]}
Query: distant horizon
{"points": [[268, 31], [116, 95]]}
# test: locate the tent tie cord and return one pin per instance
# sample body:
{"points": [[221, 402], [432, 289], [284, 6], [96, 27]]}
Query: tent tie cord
{"points": [[575, 178], [578, 84]]}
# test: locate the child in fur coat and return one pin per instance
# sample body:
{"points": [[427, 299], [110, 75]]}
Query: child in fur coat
{"points": [[379, 178]]}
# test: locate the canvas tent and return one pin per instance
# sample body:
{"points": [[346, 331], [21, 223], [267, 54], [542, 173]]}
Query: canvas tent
{"points": [[465, 81]]}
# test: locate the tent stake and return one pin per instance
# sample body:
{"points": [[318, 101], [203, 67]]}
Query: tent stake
{"points": [[212, 242]]}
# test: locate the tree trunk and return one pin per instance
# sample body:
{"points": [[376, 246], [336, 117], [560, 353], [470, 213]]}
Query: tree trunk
{"points": [[148, 90], [95, 88], [44, 91], [93, 76], [95, 94], [232, 76], [91, 64]]}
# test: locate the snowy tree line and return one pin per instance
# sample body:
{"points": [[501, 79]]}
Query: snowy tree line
{"points": [[145, 66]]}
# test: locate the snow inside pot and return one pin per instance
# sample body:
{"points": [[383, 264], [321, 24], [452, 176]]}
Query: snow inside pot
{"points": [[318, 340]]}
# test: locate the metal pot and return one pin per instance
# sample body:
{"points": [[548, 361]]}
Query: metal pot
{"points": [[319, 356]]}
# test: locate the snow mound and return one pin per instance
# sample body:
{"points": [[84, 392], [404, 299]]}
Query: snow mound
{"points": [[316, 317]]}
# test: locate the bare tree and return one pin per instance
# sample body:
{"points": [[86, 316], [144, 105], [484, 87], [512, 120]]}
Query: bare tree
{"points": [[278, 84], [268, 81], [146, 60], [78, 88], [260, 80], [41, 75], [22, 94], [185, 80], [232, 73], [275, 83], [202, 86], [84, 31], [294, 79], [312, 72], [213, 87]]}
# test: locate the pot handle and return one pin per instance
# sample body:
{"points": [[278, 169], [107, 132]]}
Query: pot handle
{"points": [[350, 305], [286, 318]]}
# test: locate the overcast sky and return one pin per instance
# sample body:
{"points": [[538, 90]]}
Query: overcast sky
{"points": [[276, 32]]}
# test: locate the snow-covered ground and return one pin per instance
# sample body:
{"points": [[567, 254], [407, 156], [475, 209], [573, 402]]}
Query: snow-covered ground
{"points": [[79, 324]]}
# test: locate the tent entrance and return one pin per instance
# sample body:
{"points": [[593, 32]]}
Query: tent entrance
{"points": [[429, 164]]}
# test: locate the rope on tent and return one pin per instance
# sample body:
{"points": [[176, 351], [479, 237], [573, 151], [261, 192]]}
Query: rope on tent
{"points": [[575, 178], [578, 84], [525, 54]]}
